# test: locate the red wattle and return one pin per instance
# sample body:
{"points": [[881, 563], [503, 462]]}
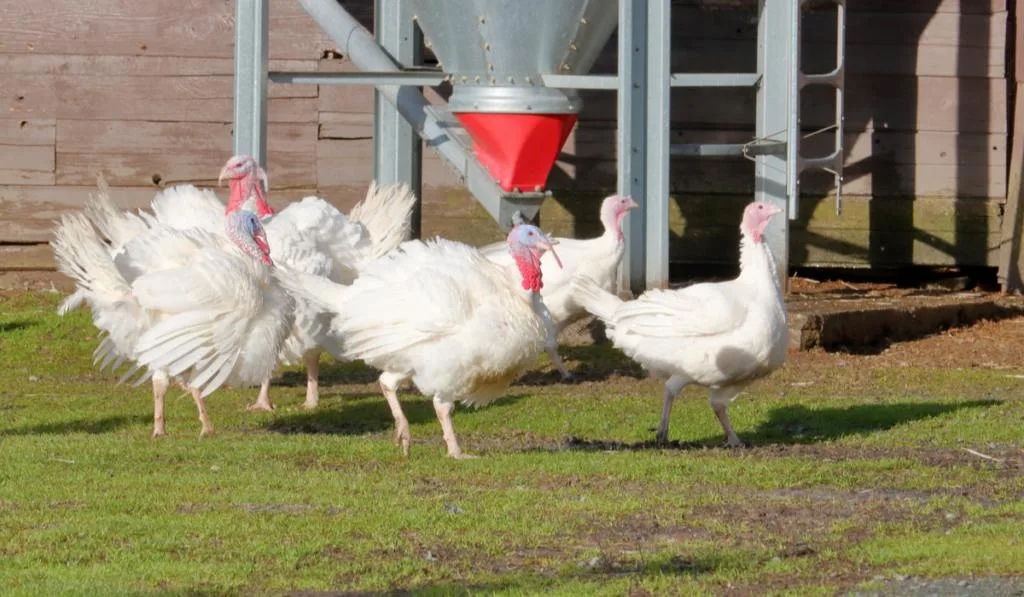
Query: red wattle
{"points": [[529, 269]]}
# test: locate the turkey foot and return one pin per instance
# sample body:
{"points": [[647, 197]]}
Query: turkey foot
{"points": [[204, 418], [402, 437], [444, 415], [262, 403], [731, 439], [556, 360]]}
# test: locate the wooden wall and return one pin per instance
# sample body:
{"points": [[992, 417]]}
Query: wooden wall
{"points": [[141, 91]]}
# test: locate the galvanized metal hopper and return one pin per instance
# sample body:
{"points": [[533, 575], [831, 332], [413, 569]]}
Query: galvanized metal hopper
{"points": [[495, 53]]}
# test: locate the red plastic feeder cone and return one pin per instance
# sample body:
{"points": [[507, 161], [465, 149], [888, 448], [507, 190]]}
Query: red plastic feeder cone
{"points": [[517, 149]]}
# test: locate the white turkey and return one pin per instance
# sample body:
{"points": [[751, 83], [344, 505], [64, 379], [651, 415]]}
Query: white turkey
{"points": [[721, 336], [440, 314], [598, 258], [205, 309], [310, 236]]}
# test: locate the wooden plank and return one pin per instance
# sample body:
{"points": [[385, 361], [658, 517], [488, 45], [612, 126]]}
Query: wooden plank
{"points": [[344, 98], [718, 56], [26, 177], [926, 231], [198, 28], [137, 154], [27, 132], [136, 66], [879, 102], [346, 125], [951, 29], [26, 257], [736, 176], [28, 97], [895, 147], [342, 163], [922, 6], [27, 213], [32, 158], [185, 98]]}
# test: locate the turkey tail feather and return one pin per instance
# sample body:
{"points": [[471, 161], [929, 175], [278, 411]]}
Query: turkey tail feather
{"points": [[596, 300]]}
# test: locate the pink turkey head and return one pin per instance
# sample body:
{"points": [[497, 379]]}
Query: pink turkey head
{"points": [[527, 243], [755, 219], [613, 210], [247, 232], [247, 180]]}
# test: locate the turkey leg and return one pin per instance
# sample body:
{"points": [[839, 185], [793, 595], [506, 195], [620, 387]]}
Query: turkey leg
{"points": [[160, 384], [720, 399], [444, 415], [673, 386], [312, 360], [204, 418], [389, 383]]}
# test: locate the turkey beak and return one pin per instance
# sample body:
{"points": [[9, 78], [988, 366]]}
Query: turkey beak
{"points": [[546, 244], [260, 238], [261, 176], [225, 172], [632, 204], [773, 210]]}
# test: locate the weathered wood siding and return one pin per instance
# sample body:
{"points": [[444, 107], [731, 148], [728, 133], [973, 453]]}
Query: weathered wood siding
{"points": [[141, 91]]}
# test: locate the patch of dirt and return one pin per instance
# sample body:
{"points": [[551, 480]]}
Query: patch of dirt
{"points": [[986, 345], [1005, 586]]}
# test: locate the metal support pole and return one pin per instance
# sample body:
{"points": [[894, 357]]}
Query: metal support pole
{"points": [[632, 108], [659, 54], [773, 97], [397, 150], [252, 20], [793, 114]]}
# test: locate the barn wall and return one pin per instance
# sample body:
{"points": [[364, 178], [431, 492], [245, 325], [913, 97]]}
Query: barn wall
{"points": [[141, 91]]}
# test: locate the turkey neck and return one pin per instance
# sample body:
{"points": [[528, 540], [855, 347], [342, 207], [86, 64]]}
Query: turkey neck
{"points": [[541, 310], [757, 267], [612, 223]]}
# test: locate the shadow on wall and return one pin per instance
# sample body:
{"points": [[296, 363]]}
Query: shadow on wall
{"points": [[925, 135]]}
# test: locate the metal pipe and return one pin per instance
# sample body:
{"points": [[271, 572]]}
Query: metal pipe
{"points": [[708, 150], [252, 21], [630, 135], [355, 42], [793, 127], [416, 79]]}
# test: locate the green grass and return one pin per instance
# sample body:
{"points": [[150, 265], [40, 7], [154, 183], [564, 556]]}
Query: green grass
{"points": [[854, 473]]}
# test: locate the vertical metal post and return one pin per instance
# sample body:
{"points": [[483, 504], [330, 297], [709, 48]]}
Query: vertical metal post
{"points": [[793, 114], [632, 109], [397, 149], [773, 97], [252, 20], [659, 53]]}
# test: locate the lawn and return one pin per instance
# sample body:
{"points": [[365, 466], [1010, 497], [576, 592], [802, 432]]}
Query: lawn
{"points": [[861, 469]]}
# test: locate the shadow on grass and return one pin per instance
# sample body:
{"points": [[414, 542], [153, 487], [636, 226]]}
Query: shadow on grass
{"points": [[595, 570], [366, 413], [332, 373], [797, 424], [17, 324], [90, 426], [595, 362]]}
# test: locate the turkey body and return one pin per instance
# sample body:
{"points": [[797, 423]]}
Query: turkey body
{"points": [[442, 316], [180, 304], [721, 336]]}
